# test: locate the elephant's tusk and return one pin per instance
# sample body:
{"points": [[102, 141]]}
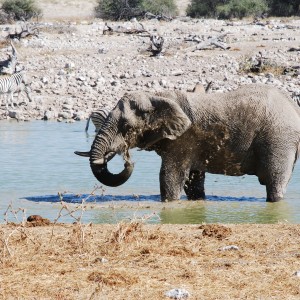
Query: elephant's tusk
{"points": [[81, 153], [100, 161], [109, 156]]}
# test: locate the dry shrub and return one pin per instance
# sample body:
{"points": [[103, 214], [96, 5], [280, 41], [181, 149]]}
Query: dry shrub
{"points": [[58, 29], [126, 232], [182, 251], [113, 278], [4, 43], [216, 231], [273, 68], [36, 220], [261, 65]]}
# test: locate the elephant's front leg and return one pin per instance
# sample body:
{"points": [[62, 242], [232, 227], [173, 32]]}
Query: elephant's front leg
{"points": [[172, 178], [194, 186]]}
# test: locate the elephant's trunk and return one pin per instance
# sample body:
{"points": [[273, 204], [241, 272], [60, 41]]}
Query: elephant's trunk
{"points": [[98, 161]]}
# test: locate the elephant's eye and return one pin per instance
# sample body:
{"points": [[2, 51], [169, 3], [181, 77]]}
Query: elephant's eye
{"points": [[126, 125]]}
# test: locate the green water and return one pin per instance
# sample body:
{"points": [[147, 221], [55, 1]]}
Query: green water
{"points": [[37, 159]]}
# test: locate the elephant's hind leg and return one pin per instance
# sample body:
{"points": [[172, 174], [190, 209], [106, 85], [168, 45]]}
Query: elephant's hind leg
{"points": [[194, 186], [277, 175]]}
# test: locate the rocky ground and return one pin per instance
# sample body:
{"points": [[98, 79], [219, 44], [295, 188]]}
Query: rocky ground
{"points": [[74, 68]]}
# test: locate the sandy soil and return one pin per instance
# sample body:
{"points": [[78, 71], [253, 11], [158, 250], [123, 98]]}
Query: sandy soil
{"points": [[71, 10], [80, 9], [137, 261]]}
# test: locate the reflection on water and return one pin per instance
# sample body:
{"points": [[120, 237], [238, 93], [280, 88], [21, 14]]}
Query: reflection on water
{"points": [[37, 163], [237, 212]]}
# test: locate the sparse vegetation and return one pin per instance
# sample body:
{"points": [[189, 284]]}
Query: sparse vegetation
{"points": [[160, 7], [5, 18], [202, 8], [127, 9], [226, 9], [283, 8], [261, 65], [21, 9], [240, 9]]}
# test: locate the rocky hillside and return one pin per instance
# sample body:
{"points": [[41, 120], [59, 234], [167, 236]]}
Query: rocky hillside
{"points": [[74, 68]]}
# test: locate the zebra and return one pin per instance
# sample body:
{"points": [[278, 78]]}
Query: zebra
{"points": [[25, 88], [9, 84], [98, 118]]}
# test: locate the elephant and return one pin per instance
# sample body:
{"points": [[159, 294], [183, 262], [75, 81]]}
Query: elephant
{"points": [[254, 130]]}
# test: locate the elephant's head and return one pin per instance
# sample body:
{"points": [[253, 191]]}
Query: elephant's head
{"points": [[138, 120]]}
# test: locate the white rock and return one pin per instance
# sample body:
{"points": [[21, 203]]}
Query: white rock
{"points": [[69, 65], [178, 294], [230, 247], [44, 80], [297, 273]]}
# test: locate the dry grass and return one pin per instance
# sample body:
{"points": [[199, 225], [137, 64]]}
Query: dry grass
{"points": [[137, 261], [268, 66]]}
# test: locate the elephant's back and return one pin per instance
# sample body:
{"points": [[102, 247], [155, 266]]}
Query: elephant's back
{"points": [[248, 107], [264, 104]]}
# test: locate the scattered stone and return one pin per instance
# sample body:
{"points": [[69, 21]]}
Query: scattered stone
{"points": [[80, 116], [177, 73], [50, 115], [95, 79], [16, 115], [44, 80], [229, 248], [65, 115], [70, 65], [81, 78], [178, 294], [34, 218], [100, 260], [297, 273], [37, 220]]}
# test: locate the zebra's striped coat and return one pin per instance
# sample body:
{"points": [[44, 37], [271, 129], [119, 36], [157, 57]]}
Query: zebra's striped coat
{"points": [[98, 118], [11, 84]]}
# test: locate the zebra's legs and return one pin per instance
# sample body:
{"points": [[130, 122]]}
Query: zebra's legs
{"points": [[12, 100], [8, 101]]}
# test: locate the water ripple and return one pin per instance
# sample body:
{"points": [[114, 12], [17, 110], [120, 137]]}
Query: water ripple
{"points": [[75, 198]]}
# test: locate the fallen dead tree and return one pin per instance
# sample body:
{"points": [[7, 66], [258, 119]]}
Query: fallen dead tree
{"points": [[26, 31], [8, 66], [207, 43], [159, 17], [293, 49], [156, 46], [134, 29]]}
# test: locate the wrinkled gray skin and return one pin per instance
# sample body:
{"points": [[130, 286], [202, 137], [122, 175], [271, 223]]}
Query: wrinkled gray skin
{"points": [[254, 130]]}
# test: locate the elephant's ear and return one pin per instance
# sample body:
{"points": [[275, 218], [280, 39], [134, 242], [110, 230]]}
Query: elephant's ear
{"points": [[166, 121]]}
